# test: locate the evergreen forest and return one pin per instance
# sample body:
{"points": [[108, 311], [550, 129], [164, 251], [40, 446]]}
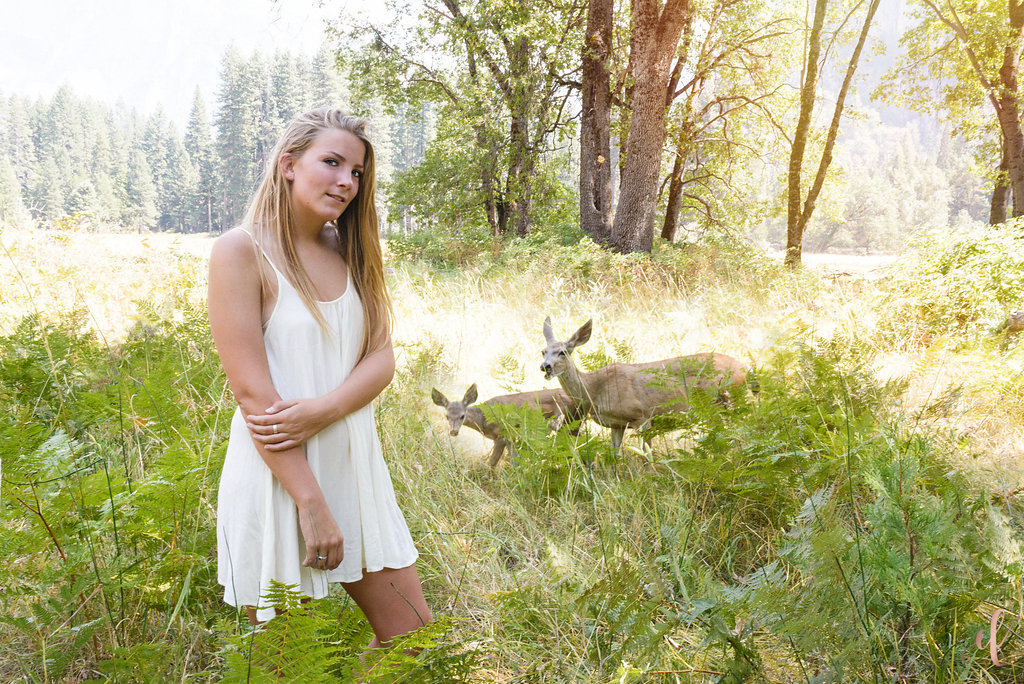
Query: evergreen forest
{"points": [[502, 150]]}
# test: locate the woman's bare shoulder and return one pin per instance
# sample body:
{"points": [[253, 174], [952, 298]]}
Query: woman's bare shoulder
{"points": [[234, 247]]}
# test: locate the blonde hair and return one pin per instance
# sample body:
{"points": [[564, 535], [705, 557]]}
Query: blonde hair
{"points": [[269, 215]]}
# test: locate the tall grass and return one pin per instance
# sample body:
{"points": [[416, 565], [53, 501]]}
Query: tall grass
{"points": [[849, 522]]}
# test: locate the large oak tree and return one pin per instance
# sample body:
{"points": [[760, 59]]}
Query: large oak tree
{"points": [[973, 50], [498, 69], [654, 39]]}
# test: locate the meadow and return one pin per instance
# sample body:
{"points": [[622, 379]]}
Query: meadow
{"points": [[858, 518]]}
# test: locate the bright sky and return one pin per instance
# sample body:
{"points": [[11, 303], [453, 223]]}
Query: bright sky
{"points": [[149, 53]]}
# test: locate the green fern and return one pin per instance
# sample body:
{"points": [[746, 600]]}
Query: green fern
{"points": [[326, 641]]}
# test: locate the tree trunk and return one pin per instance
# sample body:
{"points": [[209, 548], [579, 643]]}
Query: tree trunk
{"points": [[797, 217], [1000, 193], [808, 88], [517, 184], [498, 207], [487, 181], [654, 40], [518, 93], [675, 199], [595, 124], [1009, 108], [684, 145]]}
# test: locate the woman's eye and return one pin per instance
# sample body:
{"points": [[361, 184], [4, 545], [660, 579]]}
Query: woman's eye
{"points": [[357, 173], [331, 162]]}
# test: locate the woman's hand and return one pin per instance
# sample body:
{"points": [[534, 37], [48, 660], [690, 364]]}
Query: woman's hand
{"points": [[287, 424], [325, 545]]}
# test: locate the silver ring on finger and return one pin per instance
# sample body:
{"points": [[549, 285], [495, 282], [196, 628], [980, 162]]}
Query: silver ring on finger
{"points": [[275, 428], [321, 557]]}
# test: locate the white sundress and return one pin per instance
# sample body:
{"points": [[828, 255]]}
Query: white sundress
{"points": [[258, 536]]}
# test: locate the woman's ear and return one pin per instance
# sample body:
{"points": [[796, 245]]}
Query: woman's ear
{"points": [[287, 166]]}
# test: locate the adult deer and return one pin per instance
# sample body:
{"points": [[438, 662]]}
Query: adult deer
{"points": [[554, 404], [622, 395]]}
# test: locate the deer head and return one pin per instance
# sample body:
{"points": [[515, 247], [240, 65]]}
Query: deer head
{"points": [[556, 354], [455, 411]]}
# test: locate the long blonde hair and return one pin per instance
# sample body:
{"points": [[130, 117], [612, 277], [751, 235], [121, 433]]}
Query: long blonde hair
{"points": [[269, 215]]}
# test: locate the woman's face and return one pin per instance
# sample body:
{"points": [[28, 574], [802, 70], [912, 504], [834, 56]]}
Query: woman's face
{"points": [[325, 178]]}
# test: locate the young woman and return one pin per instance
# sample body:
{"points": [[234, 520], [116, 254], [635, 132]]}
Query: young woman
{"points": [[301, 319]]}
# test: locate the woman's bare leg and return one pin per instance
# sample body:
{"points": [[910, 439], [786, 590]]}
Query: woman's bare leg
{"points": [[392, 600]]}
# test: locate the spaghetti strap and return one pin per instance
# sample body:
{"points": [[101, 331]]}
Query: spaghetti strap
{"points": [[263, 252]]}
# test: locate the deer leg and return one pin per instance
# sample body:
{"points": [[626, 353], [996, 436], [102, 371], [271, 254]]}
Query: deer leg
{"points": [[496, 452], [617, 434]]}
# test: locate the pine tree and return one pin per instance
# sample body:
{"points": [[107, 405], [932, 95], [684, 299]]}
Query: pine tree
{"points": [[289, 94], [328, 86], [21, 149], [140, 210], [238, 127], [155, 143], [124, 132], [199, 145], [180, 187], [45, 192], [10, 191], [83, 201], [5, 142], [101, 168]]}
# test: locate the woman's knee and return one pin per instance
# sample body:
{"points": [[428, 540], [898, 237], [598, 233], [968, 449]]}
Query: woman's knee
{"points": [[392, 601]]}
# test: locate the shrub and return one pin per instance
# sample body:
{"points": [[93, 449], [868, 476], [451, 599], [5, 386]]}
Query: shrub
{"points": [[960, 284]]}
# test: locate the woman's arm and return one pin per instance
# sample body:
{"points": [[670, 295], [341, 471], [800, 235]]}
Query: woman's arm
{"points": [[236, 322], [297, 420]]}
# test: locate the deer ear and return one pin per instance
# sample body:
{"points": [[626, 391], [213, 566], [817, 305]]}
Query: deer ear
{"points": [[580, 336], [470, 395], [439, 398], [549, 335]]}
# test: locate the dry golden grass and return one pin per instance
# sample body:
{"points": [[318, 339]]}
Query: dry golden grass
{"points": [[56, 272], [487, 326]]}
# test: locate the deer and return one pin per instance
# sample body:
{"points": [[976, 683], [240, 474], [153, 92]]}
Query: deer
{"points": [[553, 403], [628, 395]]}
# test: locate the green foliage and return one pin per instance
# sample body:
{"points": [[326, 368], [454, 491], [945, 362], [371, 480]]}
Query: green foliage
{"points": [[326, 641], [960, 284], [814, 530], [546, 463], [289, 647], [442, 191], [889, 581], [443, 249], [492, 69], [107, 482], [886, 557]]}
